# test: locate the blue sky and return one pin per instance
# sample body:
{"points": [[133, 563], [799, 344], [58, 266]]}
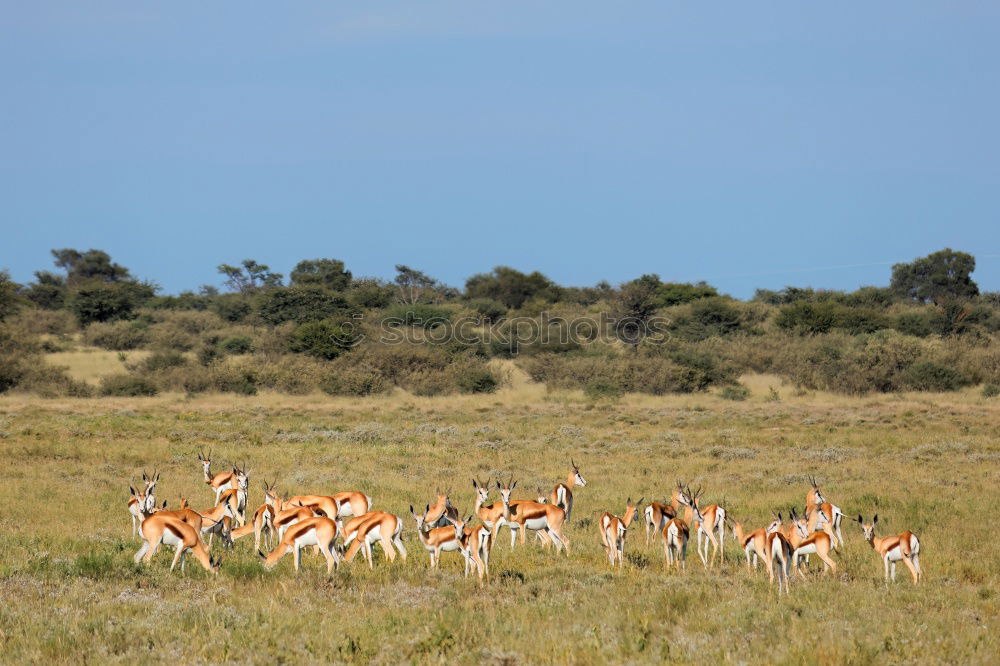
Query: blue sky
{"points": [[747, 144]]}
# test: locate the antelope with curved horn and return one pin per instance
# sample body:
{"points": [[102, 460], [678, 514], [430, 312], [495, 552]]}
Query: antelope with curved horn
{"points": [[538, 517], [161, 527], [903, 547], [820, 514], [657, 515], [476, 544], [140, 504], [710, 524], [493, 515], [361, 532], [441, 512], [613, 530], [216, 482], [805, 543], [439, 539], [315, 531], [562, 495]]}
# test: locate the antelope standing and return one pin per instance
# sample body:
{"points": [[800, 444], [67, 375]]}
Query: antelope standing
{"points": [[904, 546], [780, 550], [163, 528], [236, 499], [441, 512], [675, 539], [315, 531], [439, 539], [140, 504], [375, 526], [823, 515], [496, 514], [538, 517], [753, 544], [805, 543], [562, 494], [710, 524], [613, 530], [347, 504], [223, 480], [476, 544], [262, 525], [657, 515]]}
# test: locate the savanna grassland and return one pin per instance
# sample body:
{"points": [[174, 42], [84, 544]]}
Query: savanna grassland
{"points": [[925, 462]]}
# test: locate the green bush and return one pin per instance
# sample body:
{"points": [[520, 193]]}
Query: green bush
{"points": [[476, 379], [429, 383], [162, 361], [326, 339], [419, 315], [354, 382], [603, 388], [737, 392], [232, 307], [931, 376], [991, 390], [917, 324], [235, 380], [127, 386], [300, 305], [117, 336], [237, 344], [808, 318], [108, 301], [489, 310]]}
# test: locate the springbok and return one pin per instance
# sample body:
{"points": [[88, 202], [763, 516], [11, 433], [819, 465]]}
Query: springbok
{"points": [[261, 525], [613, 530], [904, 546], [781, 556], [710, 524], [361, 532], [223, 480], [675, 539], [315, 531], [439, 539], [493, 515], [140, 504], [562, 494], [163, 528], [538, 517], [476, 545], [805, 543], [657, 515], [441, 512], [820, 514]]}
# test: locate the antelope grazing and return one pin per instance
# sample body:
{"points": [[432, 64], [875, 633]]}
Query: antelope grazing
{"points": [[710, 524], [347, 504], [441, 512], [315, 531], [805, 543], [216, 520], [904, 546], [562, 494], [820, 514], [496, 514], [262, 525], [753, 544], [164, 528], [613, 529], [287, 517], [439, 539], [675, 540], [361, 532], [538, 517]]}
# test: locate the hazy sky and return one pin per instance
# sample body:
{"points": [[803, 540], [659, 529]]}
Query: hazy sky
{"points": [[742, 143]]}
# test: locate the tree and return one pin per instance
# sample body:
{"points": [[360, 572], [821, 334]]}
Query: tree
{"points": [[48, 291], [299, 304], [10, 301], [249, 276], [325, 339], [678, 293], [509, 286], [634, 306], [412, 284], [100, 301], [89, 265], [937, 277], [328, 273]]}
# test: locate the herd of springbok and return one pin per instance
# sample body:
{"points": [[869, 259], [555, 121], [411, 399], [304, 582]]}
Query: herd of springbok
{"points": [[288, 523]]}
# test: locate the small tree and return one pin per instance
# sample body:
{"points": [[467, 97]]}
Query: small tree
{"points": [[99, 301], [10, 302], [299, 304], [325, 339], [937, 277], [328, 273], [249, 276], [48, 291], [412, 284], [634, 307], [89, 265], [509, 286]]}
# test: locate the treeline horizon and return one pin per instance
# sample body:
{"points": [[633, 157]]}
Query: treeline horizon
{"points": [[930, 328]]}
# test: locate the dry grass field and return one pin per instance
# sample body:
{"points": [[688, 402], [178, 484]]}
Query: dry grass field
{"points": [[930, 463]]}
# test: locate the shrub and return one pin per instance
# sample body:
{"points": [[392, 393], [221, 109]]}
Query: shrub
{"points": [[108, 301], [354, 382], [419, 314], [931, 376], [323, 339], [127, 386], [808, 318], [476, 379], [991, 390], [737, 392], [603, 388], [232, 307], [489, 310], [429, 383], [300, 305], [162, 361], [918, 324], [237, 344], [235, 380], [117, 336]]}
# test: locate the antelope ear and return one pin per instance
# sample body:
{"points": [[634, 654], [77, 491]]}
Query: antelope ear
{"points": [[164, 504], [640, 500], [860, 519], [412, 511], [426, 509], [132, 490], [262, 555], [475, 485], [875, 519]]}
